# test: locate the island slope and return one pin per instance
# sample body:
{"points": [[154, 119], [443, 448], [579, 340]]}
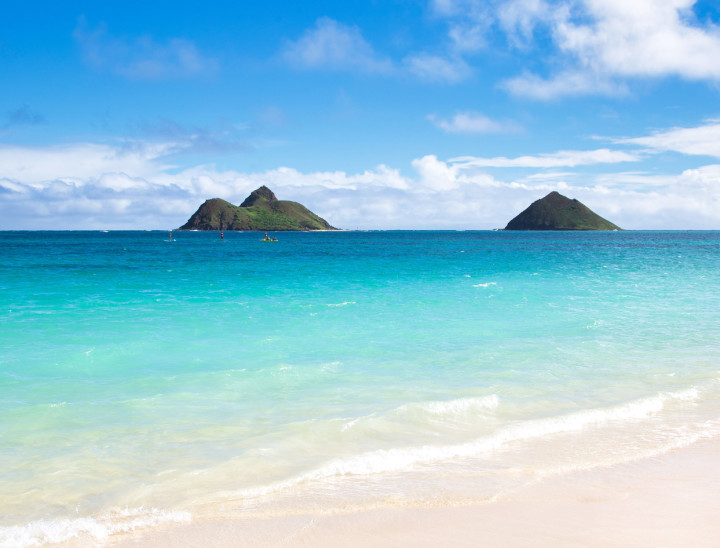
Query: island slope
{"points": [[557, 212], [260, 211]]}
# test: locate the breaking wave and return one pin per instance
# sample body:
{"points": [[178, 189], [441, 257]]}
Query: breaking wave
{"points": [[38, 533], [400, 459]]}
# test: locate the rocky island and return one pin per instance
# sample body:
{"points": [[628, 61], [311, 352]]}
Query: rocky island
{"points": [[557, 212], [260, 211]]}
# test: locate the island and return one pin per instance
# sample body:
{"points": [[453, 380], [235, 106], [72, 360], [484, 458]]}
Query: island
{"points": [[557, 212], [260, 211]]}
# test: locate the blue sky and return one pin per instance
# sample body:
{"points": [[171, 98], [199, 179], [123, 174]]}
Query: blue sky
{"points": [[376, 114]]}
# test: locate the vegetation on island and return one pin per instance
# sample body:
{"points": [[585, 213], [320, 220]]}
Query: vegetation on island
{"points": [[557, 212], [260, 211]]}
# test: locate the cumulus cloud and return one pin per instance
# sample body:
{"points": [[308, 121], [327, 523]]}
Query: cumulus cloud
{"points": [[141, 58], [435, 174], [590, 47], [607, 41], [133, 186], [472, 122], [334, 45], [641, 38], [81, 161], [688, 200], [598, 46], [87, 185]]}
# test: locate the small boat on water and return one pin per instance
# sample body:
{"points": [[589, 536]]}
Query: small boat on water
{"points": [[267, 239]]}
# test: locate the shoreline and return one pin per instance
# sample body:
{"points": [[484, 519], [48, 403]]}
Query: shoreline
{"points": [[667, 500]]}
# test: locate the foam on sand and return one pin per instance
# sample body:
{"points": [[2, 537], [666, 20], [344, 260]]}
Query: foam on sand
{"points": [[98, 528], [669, 501], [405, 459]]}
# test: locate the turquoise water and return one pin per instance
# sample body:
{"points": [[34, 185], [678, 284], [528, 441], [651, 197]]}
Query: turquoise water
{"points": [[146, 380]]}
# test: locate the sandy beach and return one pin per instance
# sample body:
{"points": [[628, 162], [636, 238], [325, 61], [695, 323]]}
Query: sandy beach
{"points": [[670, 500]]}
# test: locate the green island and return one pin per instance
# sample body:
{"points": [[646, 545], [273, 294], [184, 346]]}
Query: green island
{"points": [[557, 212], [260, 211]]}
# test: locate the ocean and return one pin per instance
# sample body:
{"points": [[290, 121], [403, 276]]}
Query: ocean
{"points": [[148, 381]]}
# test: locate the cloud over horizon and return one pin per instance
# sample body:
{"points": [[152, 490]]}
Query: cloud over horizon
{"points": [[133, 186]]}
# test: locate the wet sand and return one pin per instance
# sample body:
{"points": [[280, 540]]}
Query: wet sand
{"points": [[672, 500]]}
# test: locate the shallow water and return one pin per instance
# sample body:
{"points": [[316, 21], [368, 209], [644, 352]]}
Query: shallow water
{"points": [[147, 380]]}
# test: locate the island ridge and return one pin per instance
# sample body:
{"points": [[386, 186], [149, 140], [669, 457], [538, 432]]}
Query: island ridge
{"points": [[260, 211]]}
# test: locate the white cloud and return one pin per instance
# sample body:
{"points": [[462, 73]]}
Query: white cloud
{"points": [[121, 186], [435, 174], [445, 7], [472, 122], [563, 158], [519, 18], [81, 161], [333, 45], [703, 140], [468, 38], [141, 57], [599, 45], [641, 38], [689, 200], [435, 68], [567, 83], [86, 186], [607, 41], [596, 46]]}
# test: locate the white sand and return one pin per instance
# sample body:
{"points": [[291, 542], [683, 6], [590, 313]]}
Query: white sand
{"points": [[668, 501]]}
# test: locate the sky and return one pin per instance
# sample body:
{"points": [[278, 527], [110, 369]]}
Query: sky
{"points": [[375, 114]]}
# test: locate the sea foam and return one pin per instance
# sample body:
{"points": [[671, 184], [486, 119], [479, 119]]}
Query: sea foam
{"points": [[405, 458], [467, 410], [99, 528], [439, 410]]}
